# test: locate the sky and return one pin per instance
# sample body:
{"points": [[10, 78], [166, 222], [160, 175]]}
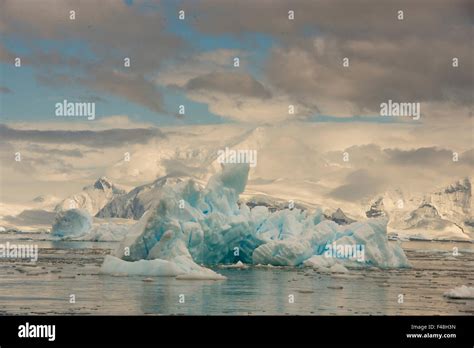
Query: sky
{"points": [[406, 57]]}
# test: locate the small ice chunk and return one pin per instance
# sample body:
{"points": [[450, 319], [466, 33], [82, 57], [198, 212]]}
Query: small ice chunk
{"points": [[319, 262], [180, 267], [462, 291], [338, 268], [238, 265]]}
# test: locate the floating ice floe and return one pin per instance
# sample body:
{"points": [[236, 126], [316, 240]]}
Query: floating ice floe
{"points": [[174, 261], [238, 265], [191, 225], [459, 292]]}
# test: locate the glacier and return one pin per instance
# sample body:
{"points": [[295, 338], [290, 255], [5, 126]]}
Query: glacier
{"points": [[191, 226]]}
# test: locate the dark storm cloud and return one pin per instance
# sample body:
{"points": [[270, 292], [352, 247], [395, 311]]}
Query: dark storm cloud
{"points": [[132, 87], [111, 31], [230, 83], [362, 18], [96, 139], [408, 60], [419, 157], [109, 27], [56, 152]]}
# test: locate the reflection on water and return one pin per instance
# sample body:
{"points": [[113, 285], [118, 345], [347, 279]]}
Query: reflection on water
{"points": [[66, 268]]}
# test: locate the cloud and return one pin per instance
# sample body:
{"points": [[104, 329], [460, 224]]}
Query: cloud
{"points": [[5, 90], [133, 87], [419, 157], [108, 27], [243, 108], [110, 32], [406, 61], [102, 123], [210, 78], [368, 18], [55, 152], [229, 83], [6, 56], [313, 74], [95, 139], [360, 184], [373, 169], [130, 86]]}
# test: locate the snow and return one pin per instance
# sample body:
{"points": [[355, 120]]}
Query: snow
{"points": [[136, 202], [462, 291], [440, 215], [191, 225], [72, 223], [92, 198]]}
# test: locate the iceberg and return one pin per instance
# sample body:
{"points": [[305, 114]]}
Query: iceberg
{"points": [[78, 224], [192, 225], [105, 231], [71, 223], [182, 268], [172, 259]]}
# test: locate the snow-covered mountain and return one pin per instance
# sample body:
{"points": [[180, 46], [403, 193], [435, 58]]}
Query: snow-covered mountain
{"points": [[133, 204], [443, 214], [45, 202], [454, 203], [92, 198]]}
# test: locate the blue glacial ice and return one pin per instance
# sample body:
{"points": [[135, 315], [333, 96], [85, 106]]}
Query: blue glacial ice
{"points": [[71, 223], [191, 226], [78, 224]]}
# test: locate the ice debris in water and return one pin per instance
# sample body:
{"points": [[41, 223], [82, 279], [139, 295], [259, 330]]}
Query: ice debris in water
{"points": [[191, 225]]}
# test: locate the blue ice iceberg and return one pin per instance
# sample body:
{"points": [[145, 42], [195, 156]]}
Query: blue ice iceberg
{"points": [[191, 225], [79, 225], [72, 223]]}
